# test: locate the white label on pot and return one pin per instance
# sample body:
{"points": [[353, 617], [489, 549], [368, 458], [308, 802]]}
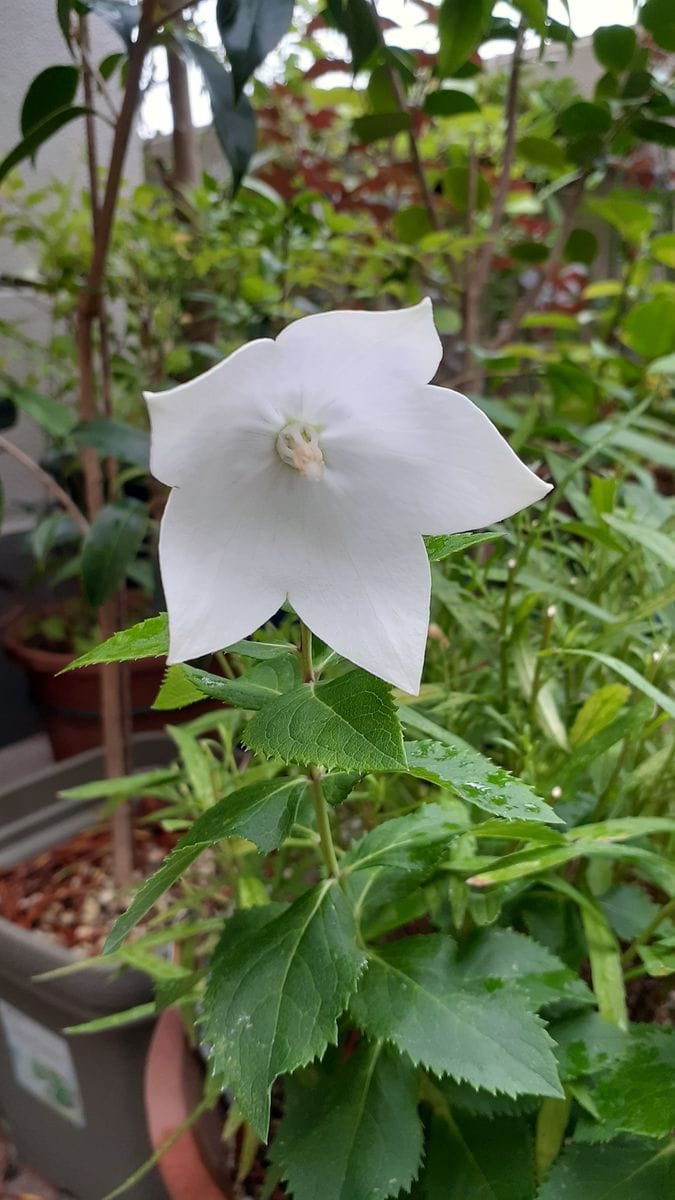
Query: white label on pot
{"points": [[42, 1063]]}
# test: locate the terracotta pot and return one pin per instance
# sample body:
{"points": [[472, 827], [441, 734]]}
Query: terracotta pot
{"points": [[70, 704], [191, 1167]]}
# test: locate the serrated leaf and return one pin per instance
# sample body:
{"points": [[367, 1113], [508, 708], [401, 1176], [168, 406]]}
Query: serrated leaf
{"points": [[626, 1169], [410, 843], [365, 1109], [477, 1158], [504, 956], [587, 1045], [274, 994], [448, 761], [250, 29], [439, 548], [113, 540], [414, 995], [177, 690], [638, 1095], [349, 723], [261, 812], [239, 691], [484, 1104]]}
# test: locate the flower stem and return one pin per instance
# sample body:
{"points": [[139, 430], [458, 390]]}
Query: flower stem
{"points": [[314, 773]]}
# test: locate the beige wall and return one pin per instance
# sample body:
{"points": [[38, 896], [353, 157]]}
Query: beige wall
{"points": [[32, 41]]}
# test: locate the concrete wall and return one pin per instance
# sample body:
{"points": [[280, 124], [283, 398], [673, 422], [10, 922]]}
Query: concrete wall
{"points": [[30, 42]]}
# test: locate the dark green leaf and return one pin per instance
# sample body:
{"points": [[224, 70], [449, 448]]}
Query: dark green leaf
{"points": [[365, 1110], [453, 543], [355, 18], [460, 28], [380, 125], [349, 723], [412, 223], [583, 118], [115, 439], [542, 152], [233, 118], [505, 957], [53, 89], [262, 813], [587, 1045], [626, 1169], [638, 1095], [581, 246], [63, 10], [111, 544], [41, 133], [660, 132], [477, 1158], [249, 30], [447, 102], [414, 994], [121, 17], [658, 17], [448, 761], [275, 993], [614, 46], [237, 691], [410, 843]]}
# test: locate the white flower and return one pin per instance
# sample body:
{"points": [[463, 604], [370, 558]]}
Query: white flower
{"points": [[308, 468]]}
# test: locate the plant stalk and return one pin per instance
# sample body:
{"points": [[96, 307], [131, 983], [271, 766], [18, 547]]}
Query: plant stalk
{"points": [[314, 773]]}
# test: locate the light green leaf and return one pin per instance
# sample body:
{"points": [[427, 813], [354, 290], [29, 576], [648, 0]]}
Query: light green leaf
{"points": [[177, 690], [649, 328], [147, 639], [626, 1169], [275, 991], [240, 691], [624, 725], [349, 723], [365, 1110], [460, 28], [659, 958], [140, 784], [631, 218], [56, 418], [261, 812], [601, 707], [197, 764], [439, 548], [661, 545], [606, 970], [454, 764], [633, 677], [415, 995]]}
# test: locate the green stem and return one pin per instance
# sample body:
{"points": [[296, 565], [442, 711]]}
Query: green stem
{"points": [[314, 773], [551, 1125]]}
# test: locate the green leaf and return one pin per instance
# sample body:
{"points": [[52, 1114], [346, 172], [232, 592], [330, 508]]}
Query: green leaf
{"points": [[412, 223], [581, 246], [659, 958], [662, 133], [625, 1169], [63, 9], [442, 547], [177, 690], [375, 126], [525, 863], [115, 439], [614, 46], [606, 969], [633, 677], [126, 785], [587, 1045], [448, 761], [460, 28], [56, 418], [147, 639], [658, 17], [120, 16], [589, 751], [250, 29], [355, 18], [263, 813], [628, 909], [447, 102], [112, 543], [631, 218], [28, 146], [118, 1020], [662, 248], [649, 328], [349, 723], [414, 994], [542, 152], [659, 544], [477, 1158], [638, 1095], [601, 707], [457, 188], [239, 691], [365, 1110], [233, 118], [275, 991], [505, 957], [583, 118], [410, 843], [53, 89]]}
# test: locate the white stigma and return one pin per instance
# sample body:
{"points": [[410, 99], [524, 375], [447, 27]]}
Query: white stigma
{"points": [[298, 446]]}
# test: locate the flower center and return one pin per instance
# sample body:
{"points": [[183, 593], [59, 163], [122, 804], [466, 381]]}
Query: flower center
{"points": [[298, 446]]}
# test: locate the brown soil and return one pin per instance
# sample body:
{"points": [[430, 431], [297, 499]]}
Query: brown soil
{"points": [[67, 892]]}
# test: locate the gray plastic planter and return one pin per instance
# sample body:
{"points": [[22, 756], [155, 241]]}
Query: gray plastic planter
{"points": [[74, 1105]]}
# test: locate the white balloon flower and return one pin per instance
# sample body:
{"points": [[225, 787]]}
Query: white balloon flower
{"points": [[307, 469]]}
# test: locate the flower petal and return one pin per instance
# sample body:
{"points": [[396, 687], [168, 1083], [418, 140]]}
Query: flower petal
{"points": [[367, 596], [217, 414], [340, 356], [215, 570], [438, 462]]}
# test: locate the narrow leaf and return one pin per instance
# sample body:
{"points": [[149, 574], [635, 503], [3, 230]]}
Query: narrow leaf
{"points": [[250, 29], [233, 118], [606, 970], [439, 548], [41, 133], [110, 546]]}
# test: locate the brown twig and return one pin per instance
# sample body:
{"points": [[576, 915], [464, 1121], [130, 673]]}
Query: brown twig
{"points": [[50, 484]]}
